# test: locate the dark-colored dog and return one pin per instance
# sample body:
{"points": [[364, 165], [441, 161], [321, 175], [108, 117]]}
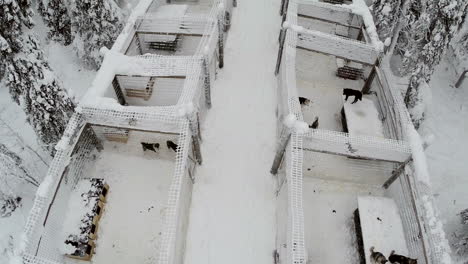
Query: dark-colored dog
{"points": [[351, 92], [171, 145], [315, 124], [377, 257], [394, 258], [304, 101], [150, 146]]}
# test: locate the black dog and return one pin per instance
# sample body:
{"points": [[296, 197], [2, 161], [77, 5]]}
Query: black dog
{"points": [[315, 124], [350, 92], [304, 101], [150, 146], [171, 145], [394, 258]]}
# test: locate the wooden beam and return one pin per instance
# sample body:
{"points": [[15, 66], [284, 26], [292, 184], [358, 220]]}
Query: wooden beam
{"points": [[460, 80], [118, 92], [169, 33], [323, 12], [347, 155], [396, 173], [133, 129], [339, 47], [282, 144], [157, 76], [282, 39], [368, 84]]}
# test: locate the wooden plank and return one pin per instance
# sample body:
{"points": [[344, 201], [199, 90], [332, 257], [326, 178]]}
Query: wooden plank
{"points": [[339, 47], [133, 129], [158, 76], [323, 12], [172, 33], [381, 226]]}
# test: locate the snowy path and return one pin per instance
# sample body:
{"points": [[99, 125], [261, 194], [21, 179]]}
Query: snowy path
{"points": [[233, 205]]}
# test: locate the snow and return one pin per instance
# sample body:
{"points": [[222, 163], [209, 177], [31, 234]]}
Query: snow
{"points": [[386, 9], [233, 207], [419, 157], [388, 41], [170, 11], [362, 118], [446, 156]]}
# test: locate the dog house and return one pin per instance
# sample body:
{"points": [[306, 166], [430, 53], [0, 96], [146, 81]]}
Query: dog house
{"points": [[344, 188], [143, 206]]}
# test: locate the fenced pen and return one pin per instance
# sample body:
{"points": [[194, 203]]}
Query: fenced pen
{"points": [[98, 151], [143, 111], [329, 177]]}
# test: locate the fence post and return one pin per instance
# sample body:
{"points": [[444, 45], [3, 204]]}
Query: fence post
{"points": [[370, 78], [220, 41], [282, 144], [460, 80], [207, 81], [280, 50], [195, 138], [118, 91], [284, 7]]}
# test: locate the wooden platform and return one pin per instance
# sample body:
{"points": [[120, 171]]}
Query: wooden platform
{"points": [[378, 224]]}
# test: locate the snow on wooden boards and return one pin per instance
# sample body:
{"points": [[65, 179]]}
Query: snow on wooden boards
{"points": [[381, 226], [325, 12], [340, 47], [362, 118]]}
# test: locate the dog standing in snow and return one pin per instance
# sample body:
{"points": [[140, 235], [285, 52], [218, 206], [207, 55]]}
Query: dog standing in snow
{"points": [[351, 92]]}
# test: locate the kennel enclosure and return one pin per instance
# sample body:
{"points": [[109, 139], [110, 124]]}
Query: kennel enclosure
{"points": [[329, 169]]}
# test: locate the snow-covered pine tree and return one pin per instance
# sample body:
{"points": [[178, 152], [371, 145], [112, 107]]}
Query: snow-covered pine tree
{"points": [[95, 24], [12, 173], [461, 245], [439, 23], [35, 87], [56, 17], [386, 15], [28, 76], [13, 15]]}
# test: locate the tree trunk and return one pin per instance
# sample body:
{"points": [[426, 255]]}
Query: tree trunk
{"points": [[412, 100], [399, 26]]}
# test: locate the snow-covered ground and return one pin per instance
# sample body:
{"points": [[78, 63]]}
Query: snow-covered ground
{"points": [[233, 205], [447, 156]]}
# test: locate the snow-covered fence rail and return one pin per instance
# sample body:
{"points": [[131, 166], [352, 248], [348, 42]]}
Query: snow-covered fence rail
{"points": [[329, 13], [369, 148], [338, 46]]}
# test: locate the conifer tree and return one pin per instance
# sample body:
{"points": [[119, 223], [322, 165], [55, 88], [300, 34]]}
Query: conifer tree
{"points": [[56, 17], [95, 24]]}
